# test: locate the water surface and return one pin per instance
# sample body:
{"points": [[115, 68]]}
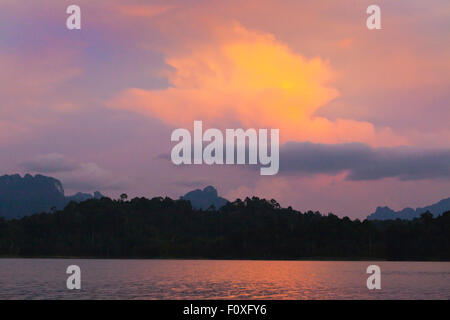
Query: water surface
{"points": [[221, 279]]}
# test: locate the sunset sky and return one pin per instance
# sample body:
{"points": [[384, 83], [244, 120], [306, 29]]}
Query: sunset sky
{"points": [[363, 114]]}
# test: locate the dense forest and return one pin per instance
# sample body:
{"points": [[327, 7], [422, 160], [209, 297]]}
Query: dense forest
{"points": [[249, 229]]}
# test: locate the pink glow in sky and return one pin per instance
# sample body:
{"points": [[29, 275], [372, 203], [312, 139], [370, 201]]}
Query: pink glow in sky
{"points": [[95, 107]]}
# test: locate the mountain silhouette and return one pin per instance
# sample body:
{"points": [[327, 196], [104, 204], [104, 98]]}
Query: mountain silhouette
{"points": [[386, 213], [80, 196], [21, 197], [205, 199]]}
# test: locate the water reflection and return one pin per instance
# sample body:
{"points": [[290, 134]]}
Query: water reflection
{"points": [[221, 279]]}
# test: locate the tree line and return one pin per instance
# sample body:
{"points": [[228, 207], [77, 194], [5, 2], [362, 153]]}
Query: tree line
{"points": [[244, 229]]}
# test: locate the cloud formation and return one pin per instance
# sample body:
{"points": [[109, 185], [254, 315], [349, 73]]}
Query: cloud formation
{"points": [[251, 79], [50, 163], [54, 83], [86, 176], [362, 162]]}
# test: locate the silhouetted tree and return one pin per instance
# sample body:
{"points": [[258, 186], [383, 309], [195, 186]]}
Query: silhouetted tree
{"points": [[252, 229]]}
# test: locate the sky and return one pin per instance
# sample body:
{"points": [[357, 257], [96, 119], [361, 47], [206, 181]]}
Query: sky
{"points": [[363, 114]]}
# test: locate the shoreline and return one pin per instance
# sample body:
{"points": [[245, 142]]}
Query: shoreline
{"points": [[211, 259]]}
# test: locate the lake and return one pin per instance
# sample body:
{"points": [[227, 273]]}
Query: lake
{"points": [[221, 279]]}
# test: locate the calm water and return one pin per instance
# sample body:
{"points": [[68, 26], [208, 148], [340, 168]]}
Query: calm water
{"points": [[208, 279]]}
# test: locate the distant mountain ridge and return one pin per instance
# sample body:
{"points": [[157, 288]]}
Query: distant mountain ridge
{"points": [[205, 199], [81, 196], [386, 213], [23, 196]]}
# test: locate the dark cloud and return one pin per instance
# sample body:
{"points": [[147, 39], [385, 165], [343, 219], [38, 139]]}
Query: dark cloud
{"points": [[86, 176], [363, 162], [50, 163]]}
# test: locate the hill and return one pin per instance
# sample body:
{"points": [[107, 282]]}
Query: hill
{"points": [[22, 196], [205, 199], [386, 213]]}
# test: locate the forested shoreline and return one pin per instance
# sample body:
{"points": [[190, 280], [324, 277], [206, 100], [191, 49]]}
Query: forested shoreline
{"points": [[249, 229]]}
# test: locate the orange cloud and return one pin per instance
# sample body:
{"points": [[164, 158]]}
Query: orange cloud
{"points": [[248, 78], [345, 43]]}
